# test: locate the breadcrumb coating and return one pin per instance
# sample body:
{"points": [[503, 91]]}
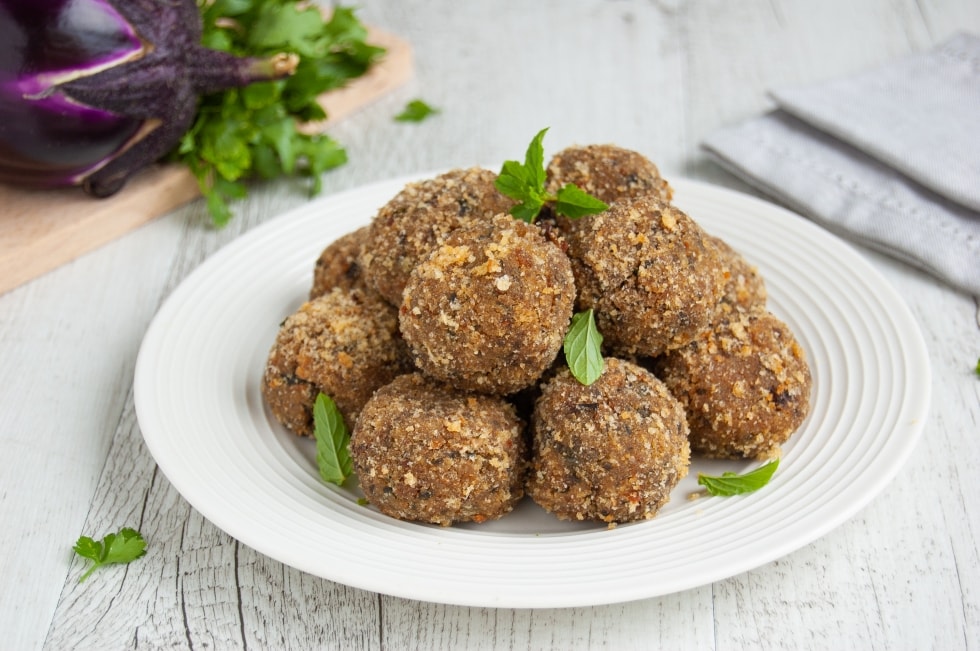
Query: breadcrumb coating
{"points": [[344, 344], [644, 268], [745, 385], [427, 453], [418, 219], [488, 310], [611, 451], [607, 172], [338, 264]]}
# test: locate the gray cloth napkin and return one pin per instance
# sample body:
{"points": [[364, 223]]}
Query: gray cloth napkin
{"points": [[889, 158]]}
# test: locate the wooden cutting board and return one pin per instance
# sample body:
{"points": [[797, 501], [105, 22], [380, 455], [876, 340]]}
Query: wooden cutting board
{"points": [[43, 229]]}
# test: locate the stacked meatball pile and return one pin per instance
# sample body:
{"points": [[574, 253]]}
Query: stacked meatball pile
{"points": [[438, 332]]}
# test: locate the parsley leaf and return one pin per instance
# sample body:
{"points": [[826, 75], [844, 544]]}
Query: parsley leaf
{"points": [[416, 111], [525, 183], [583, 350], [123, 547], [729, 483], [332, 441], [252, 132]]}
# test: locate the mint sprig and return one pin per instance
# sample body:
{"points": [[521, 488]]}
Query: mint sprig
{"points": [[123, 547], [730, 483], [332, 441], [525, 183], [583, 348]]}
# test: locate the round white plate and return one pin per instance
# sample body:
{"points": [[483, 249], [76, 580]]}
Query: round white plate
{"points": [[202, 416]]}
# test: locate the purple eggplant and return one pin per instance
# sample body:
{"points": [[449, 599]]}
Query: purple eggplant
{"points": [[92, 91]]}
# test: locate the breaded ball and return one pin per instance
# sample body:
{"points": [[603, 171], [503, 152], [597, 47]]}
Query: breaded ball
{"points": [[644, 268], [487, 311], [607, 172], [745, 386], [418, 218], [338, 264], [611, 451], [344, 344], [426, 453], [744, 287]]}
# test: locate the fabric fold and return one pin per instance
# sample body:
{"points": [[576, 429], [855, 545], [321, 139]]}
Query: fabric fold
{"points": [[888, 158]]}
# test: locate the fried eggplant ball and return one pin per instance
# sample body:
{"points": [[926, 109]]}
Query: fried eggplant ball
{"points": [[338, 264], [611, 451], [487, 310], [744, 287], [419, 217], [344, 344], [607, 172], [644, 268], [745, 386], [426, 453]]}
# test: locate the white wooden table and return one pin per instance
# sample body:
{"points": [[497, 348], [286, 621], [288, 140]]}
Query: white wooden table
{"points": [[655, 76]]}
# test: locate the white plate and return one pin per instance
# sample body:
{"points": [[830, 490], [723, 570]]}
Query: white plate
{"points": [[203, 419]]}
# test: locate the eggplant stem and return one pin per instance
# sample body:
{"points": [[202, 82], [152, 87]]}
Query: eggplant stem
{"points": [[216, 70], [278, 66]]}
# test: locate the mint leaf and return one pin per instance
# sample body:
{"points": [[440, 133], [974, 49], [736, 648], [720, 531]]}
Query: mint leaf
{"points": [[415, 111], [534, 161], [729, 483], [978, 366], [332, 441], [123, 547], [583, 348], [525, 183], [573, 202]]}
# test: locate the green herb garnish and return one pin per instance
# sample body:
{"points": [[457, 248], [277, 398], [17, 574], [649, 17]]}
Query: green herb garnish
{"points": [[332, 441], [525, 183], [252, 132], [583, 348], [729, 483], [123, 547], [416, 111], [978, 366]]}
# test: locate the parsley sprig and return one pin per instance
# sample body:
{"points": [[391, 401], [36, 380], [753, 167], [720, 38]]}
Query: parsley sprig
{"points": [[123, 547], [252, 132], [332, 441], [525, 183], [730, 483]]}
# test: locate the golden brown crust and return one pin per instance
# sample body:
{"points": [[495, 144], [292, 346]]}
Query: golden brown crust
{"points": [[426, 453], [745, 386], [487, 311], [643, 266], [344, 344], [418, 219], [744, 287], [338, 264], [607, 172], [611, 451]]}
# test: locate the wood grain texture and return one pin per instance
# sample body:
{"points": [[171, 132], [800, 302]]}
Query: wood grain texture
{"points": [[43, 229], [902, 574]]}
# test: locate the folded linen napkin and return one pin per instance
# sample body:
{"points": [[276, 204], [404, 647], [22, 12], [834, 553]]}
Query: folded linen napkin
{"points": [[890, 157]]}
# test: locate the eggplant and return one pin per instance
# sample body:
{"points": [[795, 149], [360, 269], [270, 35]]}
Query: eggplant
{"points": [[92, 91]]}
